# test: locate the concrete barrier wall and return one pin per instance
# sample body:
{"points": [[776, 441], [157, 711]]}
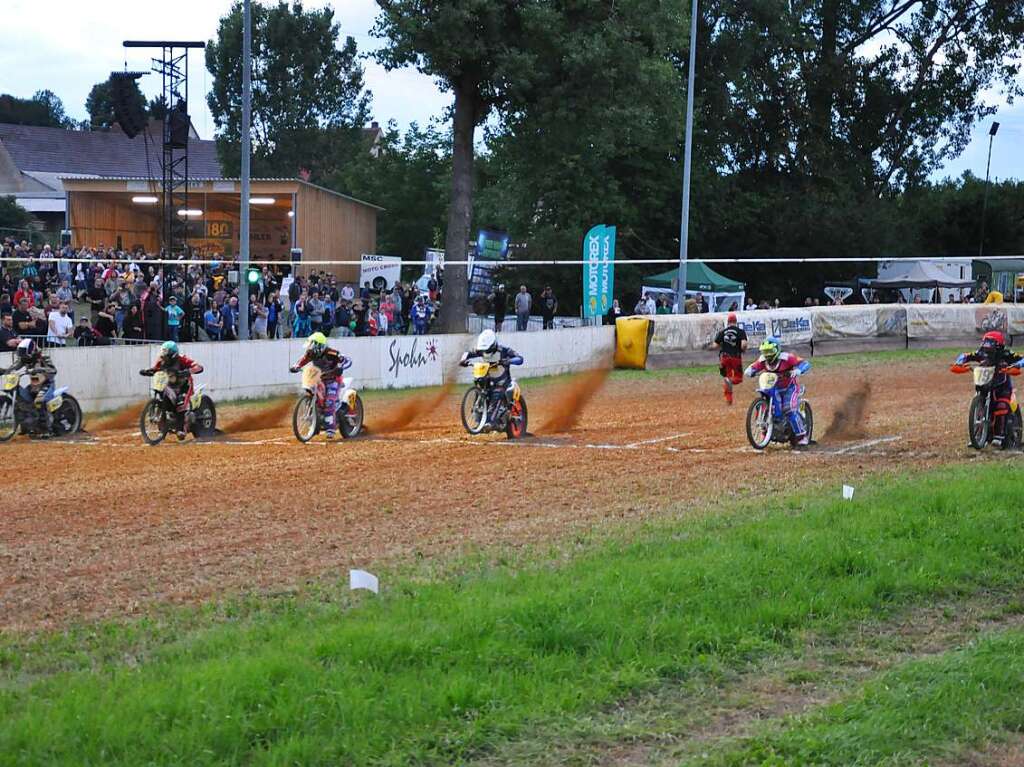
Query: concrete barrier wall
{"points": [[104, 378], [682, 339]]}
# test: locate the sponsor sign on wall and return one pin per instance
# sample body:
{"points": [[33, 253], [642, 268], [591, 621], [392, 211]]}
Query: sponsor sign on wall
{"points": [[411, 361]]}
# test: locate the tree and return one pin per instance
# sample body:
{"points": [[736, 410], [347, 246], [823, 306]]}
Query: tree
{"points": [[308, 100], [100, 104], [44, 109], [408, 179], [477, 50], [13, 216]]}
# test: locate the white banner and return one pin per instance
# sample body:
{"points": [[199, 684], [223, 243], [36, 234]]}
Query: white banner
{"points": [[382, 272], [834, 323], [693, 332], [946, 321], [410, 361]]}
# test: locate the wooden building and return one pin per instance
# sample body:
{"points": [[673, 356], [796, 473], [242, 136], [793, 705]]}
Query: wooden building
{"points": [[284, 214]]}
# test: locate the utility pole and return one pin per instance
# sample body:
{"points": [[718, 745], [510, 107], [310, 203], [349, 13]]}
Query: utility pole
{"points": [[243, 229], [684, 226], [984, 205]]}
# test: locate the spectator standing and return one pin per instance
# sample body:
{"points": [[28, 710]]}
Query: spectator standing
{"points": [[174, 317], [274, 311], [650, 305], [9, 339], [499, 305], [614, 312], [300, 316], [523, 305], [387, 308], [316, 312], [420, 316], [702, 305], [24, 323], [213, 323], [133, 327], [348, 293], [257, 317], [84, 335], [548, 307], [152, 312], [60, 326]]}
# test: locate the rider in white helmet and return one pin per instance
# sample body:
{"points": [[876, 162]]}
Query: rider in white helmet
{"points": [[501, 358]]}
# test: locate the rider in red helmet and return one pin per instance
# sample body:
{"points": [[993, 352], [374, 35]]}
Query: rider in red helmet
{"points": [[993, 353], [731, 342]]}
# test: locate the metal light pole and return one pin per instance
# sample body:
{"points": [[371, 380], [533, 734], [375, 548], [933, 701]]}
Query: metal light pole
{"points": [[684, 226], [243, 229], [984, 205]]}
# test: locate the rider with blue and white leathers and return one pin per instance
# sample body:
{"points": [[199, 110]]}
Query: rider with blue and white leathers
{"points": [[788, 367], [499, 378], [41, 371]]}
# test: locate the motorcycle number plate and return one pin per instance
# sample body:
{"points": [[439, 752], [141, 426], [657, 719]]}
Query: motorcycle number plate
{"points": [[310, 376], [54, 404], [10, 381], [160, 381], [767, 380], [983, 376], [480, 369]]}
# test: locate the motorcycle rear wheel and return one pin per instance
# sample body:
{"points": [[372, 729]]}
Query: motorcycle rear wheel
{"points": [[978, 426], [474, 410], [760, 423], [1012, 437], [153, 423], [808, 416], [351, 423], [305, 419], [8, 419], [68, 418], [517, 420]]}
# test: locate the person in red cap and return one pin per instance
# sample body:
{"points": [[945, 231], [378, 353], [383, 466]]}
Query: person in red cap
{"points": [[993, 353], [730, 342]]}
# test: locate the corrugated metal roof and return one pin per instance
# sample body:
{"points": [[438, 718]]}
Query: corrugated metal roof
{"points": [[191, 178], [100, 153]]}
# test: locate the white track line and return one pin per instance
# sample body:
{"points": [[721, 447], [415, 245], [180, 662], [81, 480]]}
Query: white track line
{"points": [[658, 439], [863, 445]]}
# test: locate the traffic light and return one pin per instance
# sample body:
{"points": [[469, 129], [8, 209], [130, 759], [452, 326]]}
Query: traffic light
{"points": [[253, 275]]}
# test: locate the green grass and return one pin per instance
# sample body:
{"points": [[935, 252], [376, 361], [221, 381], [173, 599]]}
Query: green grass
{"points": [[927, 708], [442, 671]]}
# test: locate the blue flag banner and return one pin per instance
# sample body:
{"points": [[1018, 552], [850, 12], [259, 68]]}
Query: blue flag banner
{"points": [[598, 270]]}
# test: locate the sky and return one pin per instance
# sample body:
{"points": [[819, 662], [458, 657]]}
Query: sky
{"points": [[68, 46]]}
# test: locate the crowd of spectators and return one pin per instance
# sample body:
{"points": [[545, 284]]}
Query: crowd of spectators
{"points": [[100, 296]]}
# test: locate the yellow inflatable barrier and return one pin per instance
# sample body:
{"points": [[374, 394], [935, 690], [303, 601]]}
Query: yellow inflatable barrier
{"points": [[995, 297], [632, 340]]}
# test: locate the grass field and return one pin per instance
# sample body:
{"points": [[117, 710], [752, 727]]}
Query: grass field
{"points": [[523, 659]]}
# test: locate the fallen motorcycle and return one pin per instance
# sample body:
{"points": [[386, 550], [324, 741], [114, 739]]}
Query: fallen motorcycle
{"points": [[18, 411], [485, 410], [310, 415], [766, 418], [985, 408], [161, 412]]}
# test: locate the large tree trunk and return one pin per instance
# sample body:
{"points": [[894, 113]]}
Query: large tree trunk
{"points": [[455, 304]]}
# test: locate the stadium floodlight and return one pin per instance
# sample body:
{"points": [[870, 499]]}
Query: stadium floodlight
{"points": [[190, 213], [145, 199], [261, 200]]}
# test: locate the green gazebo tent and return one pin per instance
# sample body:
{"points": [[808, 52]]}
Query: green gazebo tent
{"points": [[701, 278]]}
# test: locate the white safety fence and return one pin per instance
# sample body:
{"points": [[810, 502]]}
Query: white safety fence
{"points": [[104, 378]]}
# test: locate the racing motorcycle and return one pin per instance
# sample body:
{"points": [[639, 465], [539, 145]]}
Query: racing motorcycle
{"points": [[483, 411], [161, 412], [766, 421], [310, 414], [982, 413], [18, 410]]}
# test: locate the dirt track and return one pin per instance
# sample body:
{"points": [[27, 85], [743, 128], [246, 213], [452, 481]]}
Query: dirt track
{"points": [[104, 527]]}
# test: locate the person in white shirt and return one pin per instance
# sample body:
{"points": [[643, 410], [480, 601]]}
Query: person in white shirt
{"points": [[348, 294], [61, 326]]}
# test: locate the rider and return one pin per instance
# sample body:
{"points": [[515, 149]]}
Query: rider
{"points": [[788, 367], [499, 378], [731, 342], [331, 364], [29, 356], [180, 370], [993, 353]]}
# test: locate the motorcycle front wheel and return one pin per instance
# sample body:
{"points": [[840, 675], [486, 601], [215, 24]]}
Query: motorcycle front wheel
{"points": [[153, 423], [305, 419], [808, 416], [351, 422], [8, 421], [474, 410], [517, 422], [760, 423], [978, 422], [68, 418]]}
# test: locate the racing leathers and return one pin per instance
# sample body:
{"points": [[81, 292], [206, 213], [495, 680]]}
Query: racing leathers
{"points": [[1002, 385], [31, 399], [179, 381], [788, 367], [331, 364], [499, 377]]}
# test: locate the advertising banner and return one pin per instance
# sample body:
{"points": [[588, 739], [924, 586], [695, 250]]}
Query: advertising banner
{"points": [[382, 272], [410, 361], [945, 321], [835, 323], [598, 270]]}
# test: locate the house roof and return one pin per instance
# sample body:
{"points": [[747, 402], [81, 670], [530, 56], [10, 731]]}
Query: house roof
{"points": [[97, 153]]}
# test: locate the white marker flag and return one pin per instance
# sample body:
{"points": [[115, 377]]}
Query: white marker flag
{"points": [[360, 579], [847, 493]]}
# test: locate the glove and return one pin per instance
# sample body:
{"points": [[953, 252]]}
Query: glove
{"points": [[465, 359], [960, 360], [294, 369], [146, 372]]}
